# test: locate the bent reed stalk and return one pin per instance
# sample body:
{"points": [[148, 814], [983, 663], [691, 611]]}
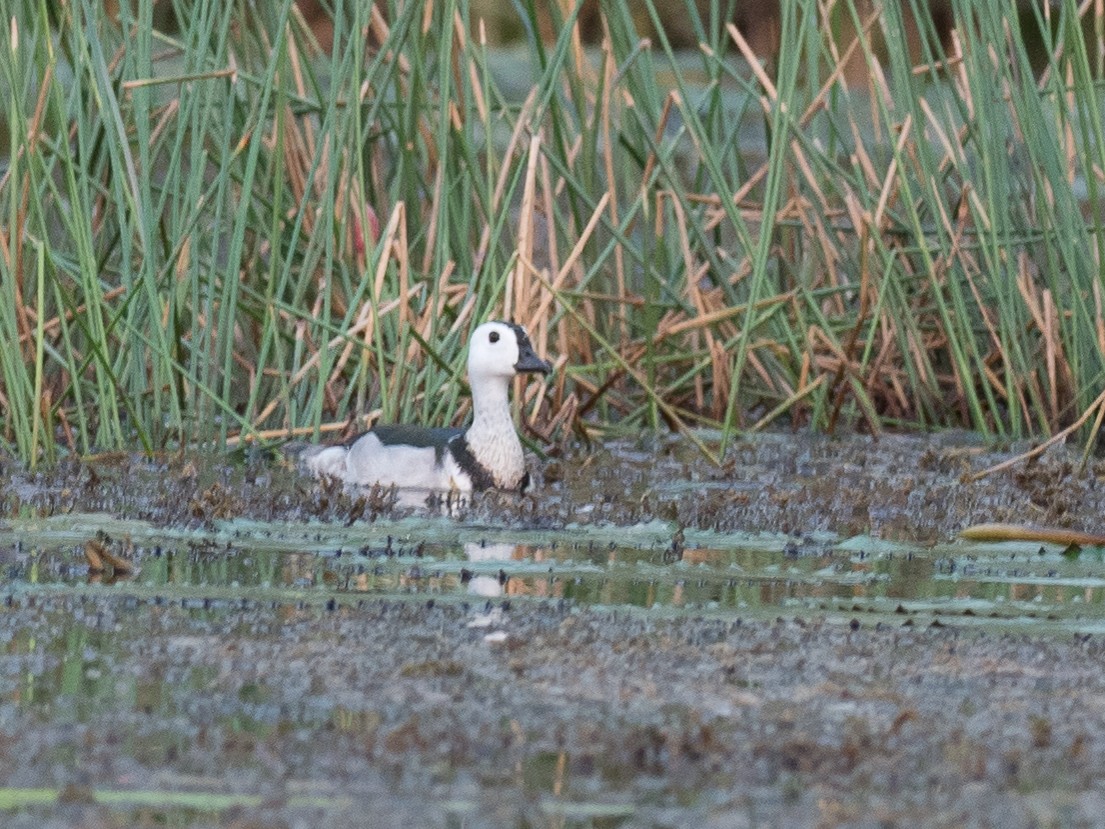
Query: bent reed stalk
{"points": [[225, 232]]}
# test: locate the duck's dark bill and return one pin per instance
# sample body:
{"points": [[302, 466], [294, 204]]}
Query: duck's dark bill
{"points": [[528, 361]]}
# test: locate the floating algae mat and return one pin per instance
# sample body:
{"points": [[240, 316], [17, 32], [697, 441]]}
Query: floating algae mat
{"points": [[652, 568]]}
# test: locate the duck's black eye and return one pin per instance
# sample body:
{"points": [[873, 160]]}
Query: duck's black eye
{"points": [[493, 336]]}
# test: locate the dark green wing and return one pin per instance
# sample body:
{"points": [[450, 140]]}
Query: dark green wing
{"points": [[420, 437]]}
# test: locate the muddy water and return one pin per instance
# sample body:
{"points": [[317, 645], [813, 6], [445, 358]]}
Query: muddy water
{"points": [[797, 635], [702, 573]]}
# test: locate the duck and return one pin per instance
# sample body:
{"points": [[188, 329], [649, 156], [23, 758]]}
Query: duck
{"points": [[485, 455]]}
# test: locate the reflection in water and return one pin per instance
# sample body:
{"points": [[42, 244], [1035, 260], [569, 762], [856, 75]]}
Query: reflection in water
{"points": [[326, 564], [486, 586], [494, 551], [492, 586]]}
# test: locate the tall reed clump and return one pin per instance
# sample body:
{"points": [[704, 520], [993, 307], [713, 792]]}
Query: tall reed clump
{"points": [[226, 231]]}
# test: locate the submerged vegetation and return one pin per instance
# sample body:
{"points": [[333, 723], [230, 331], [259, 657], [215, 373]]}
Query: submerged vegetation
{"points": [[225, 231]]}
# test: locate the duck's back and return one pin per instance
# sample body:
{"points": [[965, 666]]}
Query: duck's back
{"points": [[409, 457]]}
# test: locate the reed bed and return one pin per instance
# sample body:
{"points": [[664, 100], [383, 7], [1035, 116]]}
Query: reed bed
{"points": [[226, 233]]}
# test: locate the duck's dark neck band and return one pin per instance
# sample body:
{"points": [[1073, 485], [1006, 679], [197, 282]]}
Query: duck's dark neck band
{"points": [[462, 454]]}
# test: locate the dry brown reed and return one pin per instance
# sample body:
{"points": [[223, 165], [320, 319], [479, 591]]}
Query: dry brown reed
{"points": [[729, 248]]}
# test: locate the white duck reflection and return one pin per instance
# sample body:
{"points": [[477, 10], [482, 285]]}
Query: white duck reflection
{"points": [[487, 585]]}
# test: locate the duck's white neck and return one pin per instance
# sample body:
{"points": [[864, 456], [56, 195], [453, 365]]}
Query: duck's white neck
{"points": [[491, 437], [490, 397]]}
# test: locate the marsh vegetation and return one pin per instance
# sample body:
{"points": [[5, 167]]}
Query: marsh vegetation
{"points": [[222, 230]]}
